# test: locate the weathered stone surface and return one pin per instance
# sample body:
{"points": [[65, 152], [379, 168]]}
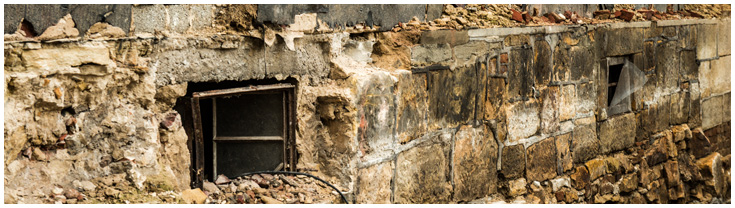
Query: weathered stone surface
{"points": [[628, 183], [309, 57], [713, 172], [667, 67], [430, 54], [376, 112], [624, 41], [523, 120], [411, 106], [516, 187], [542, 62], [714, 76], [194, 196], [450, 101], [680, 132], [659, 150], [689, 67], [567, 102], [474, 52], [585, 144], [706, 41], [700, 145], [581, 177], [521, 73], [583, 64], [672, 173], [563, 155], [679, 108], [474, 171], [541, 160], [586, 98], [374, 184], [550, 110], [421, 175], [695, 105], [723, 37], [617, 133], [494, 99], [596, 167], [452, 37], [513, 161], [562, 64], [201, 65]]}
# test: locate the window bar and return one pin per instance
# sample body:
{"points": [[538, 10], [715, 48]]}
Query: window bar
{"points": [[199, 137], [214, 136]]}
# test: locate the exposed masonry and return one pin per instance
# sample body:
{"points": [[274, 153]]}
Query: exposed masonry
{"points": [[479, 116]]}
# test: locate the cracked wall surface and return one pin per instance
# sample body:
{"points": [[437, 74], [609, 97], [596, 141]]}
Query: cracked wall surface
{"points": [[512, 114]]}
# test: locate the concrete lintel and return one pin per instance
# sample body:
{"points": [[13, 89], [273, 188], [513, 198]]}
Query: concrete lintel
{"points": [[630, 24], [505, 31], [662, 23]]}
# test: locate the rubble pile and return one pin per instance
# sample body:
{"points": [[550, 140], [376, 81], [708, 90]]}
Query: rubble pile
{"points": [[269, 189], [469, 16]]}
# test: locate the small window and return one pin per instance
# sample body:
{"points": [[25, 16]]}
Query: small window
{"points": [[612, 81], [239, 130]]}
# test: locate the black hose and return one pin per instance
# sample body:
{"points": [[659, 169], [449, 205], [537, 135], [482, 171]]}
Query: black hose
{"points": [[298, 173]]}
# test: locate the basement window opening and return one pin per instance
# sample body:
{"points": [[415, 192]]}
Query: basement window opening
{"points": [[243, 129], [612, 81]]}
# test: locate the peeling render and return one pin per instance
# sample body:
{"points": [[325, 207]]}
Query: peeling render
{"points": [[388, 114]]}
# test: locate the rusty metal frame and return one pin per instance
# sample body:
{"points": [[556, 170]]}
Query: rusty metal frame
{"points": [[288, 135]]}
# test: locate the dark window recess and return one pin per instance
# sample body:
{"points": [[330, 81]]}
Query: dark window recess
{"points": [[239, 130], [612, 81]]}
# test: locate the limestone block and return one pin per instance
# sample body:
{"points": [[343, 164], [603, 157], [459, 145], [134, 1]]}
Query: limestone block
{"points": [[689, 66], [494, 99], [451, 99], [430, 54], [149, 18], [520, 73], [723, 37], [452, 37], [617, 133], [624, 41], [567, 102], [712, 110], [563, 154], [517, 187], [550, 110], [421, 175], [706, 41], [714, 76], [523, 120], [376, 113], [667, 67], [475, 155], [542, 62], [585, 144], [411, 106], [513, 161], [679, 108], [580, 177], [374, 184], [713, 172], [471, 53], [586, 99], [308, 57], [583, 64], [596, 167], [541, 160]]}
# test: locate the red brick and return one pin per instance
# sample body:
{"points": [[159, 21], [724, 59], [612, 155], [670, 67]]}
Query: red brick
{"points": [[516, 15]]}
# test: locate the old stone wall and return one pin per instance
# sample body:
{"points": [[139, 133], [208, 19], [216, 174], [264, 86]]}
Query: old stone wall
{"points": [[442, 116]]}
